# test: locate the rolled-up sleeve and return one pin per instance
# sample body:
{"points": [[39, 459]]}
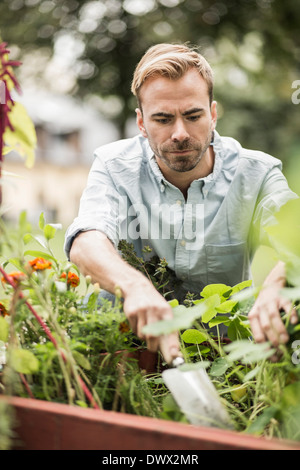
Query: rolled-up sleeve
{"points": [[99, 206]]}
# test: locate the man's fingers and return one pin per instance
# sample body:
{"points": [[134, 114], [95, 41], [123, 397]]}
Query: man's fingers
{"points": [[256, 328], [141, 313], [169, 347], [292, 311], [273, 326], [132, 319], [294, 316], [152, 343], [266, 325]]}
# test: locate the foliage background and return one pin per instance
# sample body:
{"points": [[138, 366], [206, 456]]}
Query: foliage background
{"points": [[253, 46]]}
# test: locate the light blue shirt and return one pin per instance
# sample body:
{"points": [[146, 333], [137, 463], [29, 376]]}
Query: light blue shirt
{"points": [[210, 237]]}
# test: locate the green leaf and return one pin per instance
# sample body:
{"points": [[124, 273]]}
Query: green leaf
{"points": [[290, 395], [193, 350], [242, 285], [4, 329], [23, 361], [227, 306], [221, 289], [194, 366], [24, 225], [246, 294], [251, 374], [42, 221], [92, 302], [219, 367], [259, 425], [16, 262], [219, 319], [39, 254], [193, 336], [237, 330], [81, 360], [291, 293], [81, 403], [284, 235], [28, 237], [248, 351], [183, 319], [209, 315], [49, 231], [292, 269], [210, 307], [23, 137]]}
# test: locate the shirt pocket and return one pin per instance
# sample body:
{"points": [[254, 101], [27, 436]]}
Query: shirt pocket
{"points": [[227, 264]]}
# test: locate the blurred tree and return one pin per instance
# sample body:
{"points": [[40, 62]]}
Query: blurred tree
{"points": [[253, 46]]}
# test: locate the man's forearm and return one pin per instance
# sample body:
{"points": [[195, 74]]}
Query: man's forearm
{"points": [[95, 255]]}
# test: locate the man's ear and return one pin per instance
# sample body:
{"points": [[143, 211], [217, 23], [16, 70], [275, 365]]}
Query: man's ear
{"points": [[140, 122], [214, 114]]}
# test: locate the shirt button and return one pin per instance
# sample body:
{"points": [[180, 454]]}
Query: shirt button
{"points": [[179, 202], [183, 243]]}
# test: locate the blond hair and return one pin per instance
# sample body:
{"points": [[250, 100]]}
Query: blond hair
{"points": [[172, 61]]}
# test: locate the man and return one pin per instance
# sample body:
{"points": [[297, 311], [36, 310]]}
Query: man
{"points": [[199, 200]]}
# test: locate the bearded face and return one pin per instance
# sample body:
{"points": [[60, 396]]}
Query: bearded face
{"points": [[178, 120]]}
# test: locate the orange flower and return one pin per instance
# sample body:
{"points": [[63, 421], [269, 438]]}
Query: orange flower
{"points": [[3, 311], [124, 326], [39, 264], [15, 276], [73, 280]]}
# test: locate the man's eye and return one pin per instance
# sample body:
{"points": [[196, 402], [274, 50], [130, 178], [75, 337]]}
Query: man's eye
{"points": [[194, 118], [163, 120]]}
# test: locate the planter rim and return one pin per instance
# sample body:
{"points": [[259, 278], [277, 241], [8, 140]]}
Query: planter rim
{"points": [[224, 438]]}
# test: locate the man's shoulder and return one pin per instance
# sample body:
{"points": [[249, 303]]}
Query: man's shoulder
{"points": [[260, 156], [123, 149], [263, 159]]}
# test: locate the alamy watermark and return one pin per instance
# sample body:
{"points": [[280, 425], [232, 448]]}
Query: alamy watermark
{"points": [[183, 222], [296, 353], [296, 94]]}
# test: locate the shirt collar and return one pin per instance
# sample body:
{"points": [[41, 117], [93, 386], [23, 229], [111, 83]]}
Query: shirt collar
{"points": [[218, 163]]}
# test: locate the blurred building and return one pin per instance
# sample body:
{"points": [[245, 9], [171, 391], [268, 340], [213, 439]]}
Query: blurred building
{"points": [[68, 133]]}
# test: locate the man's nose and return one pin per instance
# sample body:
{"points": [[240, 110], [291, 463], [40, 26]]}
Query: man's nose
{"points": [[179, 132]]}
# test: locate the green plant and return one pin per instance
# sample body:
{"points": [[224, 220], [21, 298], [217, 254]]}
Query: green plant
{"points": [[260, 395], [154, 268], [61, 344]]}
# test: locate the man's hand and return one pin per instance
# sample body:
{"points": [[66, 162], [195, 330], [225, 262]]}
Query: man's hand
{"points": [[144, 305], [264, 317]]}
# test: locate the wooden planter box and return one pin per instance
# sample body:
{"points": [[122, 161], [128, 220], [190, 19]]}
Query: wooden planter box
{"points": [[45, 425]]}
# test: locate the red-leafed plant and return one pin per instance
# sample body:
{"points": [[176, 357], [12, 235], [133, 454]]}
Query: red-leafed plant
{"points": [[17, 131], [8, 81]]}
